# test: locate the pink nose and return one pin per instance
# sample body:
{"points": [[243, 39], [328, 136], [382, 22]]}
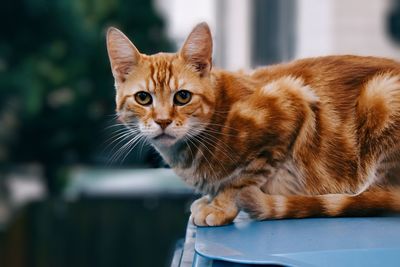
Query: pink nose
{"points": [[163, 123]]}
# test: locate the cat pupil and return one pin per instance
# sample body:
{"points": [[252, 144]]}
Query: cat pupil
{"points": [[143, 96], [183, 94]]}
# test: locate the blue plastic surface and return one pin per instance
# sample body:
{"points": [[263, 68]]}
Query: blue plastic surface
{"points": [[303, 242]]}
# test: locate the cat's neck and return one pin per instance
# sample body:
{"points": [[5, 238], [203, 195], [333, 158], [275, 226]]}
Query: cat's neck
{"points": [[175, 155]]}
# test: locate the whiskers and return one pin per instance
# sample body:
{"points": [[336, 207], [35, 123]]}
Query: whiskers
{"points": [[124, 138]]}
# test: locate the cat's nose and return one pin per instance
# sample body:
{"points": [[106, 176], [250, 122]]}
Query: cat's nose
{"points": [[163, 123]]}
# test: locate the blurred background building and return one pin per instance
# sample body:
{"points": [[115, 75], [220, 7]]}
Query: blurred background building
{"points": [[259, 32], [68, 197]]}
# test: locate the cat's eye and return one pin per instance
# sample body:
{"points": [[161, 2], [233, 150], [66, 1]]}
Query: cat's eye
{"points": [[143, 98], [182, 97]]}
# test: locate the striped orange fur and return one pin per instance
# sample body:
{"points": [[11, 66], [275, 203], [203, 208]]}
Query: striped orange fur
{"points": [[313, 137]]}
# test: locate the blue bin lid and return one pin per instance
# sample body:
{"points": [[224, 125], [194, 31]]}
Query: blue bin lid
{"points": [[304, 242]]}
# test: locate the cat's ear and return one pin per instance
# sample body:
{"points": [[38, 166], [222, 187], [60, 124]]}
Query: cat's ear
{"points": [[197, 49], [122, 53]]}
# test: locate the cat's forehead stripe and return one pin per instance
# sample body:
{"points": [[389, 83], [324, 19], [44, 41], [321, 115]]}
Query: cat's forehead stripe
{"points": [[161, 73], [170, 74], [147, 81], [152, 77]]}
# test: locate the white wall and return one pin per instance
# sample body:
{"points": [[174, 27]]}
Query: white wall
{"points": [[344, 27], [314, 29], [234, 29], [182, 15]]}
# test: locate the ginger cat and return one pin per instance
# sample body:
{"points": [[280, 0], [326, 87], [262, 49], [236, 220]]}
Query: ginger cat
{"points": [[314, 137]]}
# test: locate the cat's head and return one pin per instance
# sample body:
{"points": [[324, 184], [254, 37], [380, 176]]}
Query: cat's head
{"points": [[167, 97]]}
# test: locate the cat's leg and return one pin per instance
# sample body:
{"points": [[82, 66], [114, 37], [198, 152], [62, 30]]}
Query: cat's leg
{"points": [[220, 210], [262, 206]]}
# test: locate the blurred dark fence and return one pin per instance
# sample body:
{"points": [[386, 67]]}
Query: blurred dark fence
{"points": [[96, 232]]}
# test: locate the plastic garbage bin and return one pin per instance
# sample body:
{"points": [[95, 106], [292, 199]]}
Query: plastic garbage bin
{"points": [[295, 242]]}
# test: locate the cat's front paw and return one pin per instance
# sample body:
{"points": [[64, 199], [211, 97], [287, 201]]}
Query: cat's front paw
{"points": [[206, 213]]}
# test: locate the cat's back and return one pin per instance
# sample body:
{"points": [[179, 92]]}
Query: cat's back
{"points": [[335, 79], [345, 70]]}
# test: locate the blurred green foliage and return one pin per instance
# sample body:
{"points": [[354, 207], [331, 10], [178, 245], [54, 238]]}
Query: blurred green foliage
{"points": [[56, 87]]}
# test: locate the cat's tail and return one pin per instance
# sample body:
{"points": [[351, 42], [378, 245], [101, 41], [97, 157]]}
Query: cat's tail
{"points": [[262, 206]]}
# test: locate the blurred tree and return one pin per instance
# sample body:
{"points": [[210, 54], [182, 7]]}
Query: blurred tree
{"points": [[56, 88]]}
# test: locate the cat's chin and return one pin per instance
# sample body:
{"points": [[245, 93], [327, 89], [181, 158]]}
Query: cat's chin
{"points": [[164, 140]]}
